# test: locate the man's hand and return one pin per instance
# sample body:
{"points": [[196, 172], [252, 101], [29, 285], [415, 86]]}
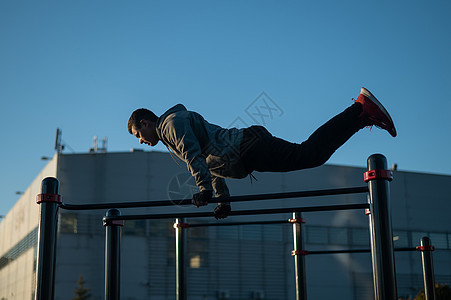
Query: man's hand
{"points": [[222, 211], [202, 198]]}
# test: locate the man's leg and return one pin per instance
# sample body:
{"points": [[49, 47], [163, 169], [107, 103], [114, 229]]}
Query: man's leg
{"points": [[265, 153], [262, 152]]}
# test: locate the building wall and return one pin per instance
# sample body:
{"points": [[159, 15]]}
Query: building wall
{"points": [[241, 262]]}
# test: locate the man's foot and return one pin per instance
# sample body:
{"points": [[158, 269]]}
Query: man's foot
{"points": [[374, 113]]}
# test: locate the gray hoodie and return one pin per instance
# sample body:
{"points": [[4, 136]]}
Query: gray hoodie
{"points": [[210, 151]]}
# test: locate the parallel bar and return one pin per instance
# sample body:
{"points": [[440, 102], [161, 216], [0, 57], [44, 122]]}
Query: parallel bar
{"points": [[353, 251], [239, 223], [302, 194], [339, 251], [384, 276], [46, 252], [299, 260], [405, 249], [180, 264], [112, 256], [428, 269], [244, 212]]}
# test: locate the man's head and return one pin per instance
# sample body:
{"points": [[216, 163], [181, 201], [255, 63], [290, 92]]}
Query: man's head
{"points": [[143, 125]]}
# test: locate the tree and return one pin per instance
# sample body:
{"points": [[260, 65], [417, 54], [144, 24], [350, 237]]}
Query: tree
{"points": [[442, 292], [81, 293]]}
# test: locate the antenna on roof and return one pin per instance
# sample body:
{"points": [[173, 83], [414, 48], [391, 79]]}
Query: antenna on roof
{"points": [[96, 148], [58, 145]]}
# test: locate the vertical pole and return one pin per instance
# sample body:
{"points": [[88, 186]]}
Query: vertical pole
{"points": [[112, 254], [428, 268], [49, 201], [180, 248], [384, 276], [299, 257]]}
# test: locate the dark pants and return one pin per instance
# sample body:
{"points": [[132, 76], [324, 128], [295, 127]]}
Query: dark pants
{"points": [[260, 151]]}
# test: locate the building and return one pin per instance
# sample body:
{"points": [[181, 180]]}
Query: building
{"points": [[231, 262]]}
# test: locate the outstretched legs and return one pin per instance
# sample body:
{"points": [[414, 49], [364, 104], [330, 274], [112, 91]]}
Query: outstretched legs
{"points": [[260, 151]]}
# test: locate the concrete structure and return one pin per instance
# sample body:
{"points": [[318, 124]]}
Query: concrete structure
{"points": [[242, 262]]}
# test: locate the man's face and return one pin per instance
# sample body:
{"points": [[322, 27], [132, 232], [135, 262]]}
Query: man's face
{"points": [[147, 134]]}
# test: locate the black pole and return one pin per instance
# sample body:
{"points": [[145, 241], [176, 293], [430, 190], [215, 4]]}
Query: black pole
{"points": [[238, 223], [299, 257], [353, 251], [246, 212], [271, 196], [384, 277], [180, 266], [49, 200], [112, 254], [428, 268]]}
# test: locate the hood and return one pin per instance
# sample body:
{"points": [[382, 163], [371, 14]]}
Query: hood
{"points": [[176, 108]]}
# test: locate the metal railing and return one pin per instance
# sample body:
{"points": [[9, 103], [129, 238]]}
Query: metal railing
{"points": [[377, 209]]}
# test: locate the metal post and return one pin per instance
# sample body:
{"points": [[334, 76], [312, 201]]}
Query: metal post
{"points": [[180, 248], [112, 254], [49, 201], [299, 257], [428, 268], [384, 276]]}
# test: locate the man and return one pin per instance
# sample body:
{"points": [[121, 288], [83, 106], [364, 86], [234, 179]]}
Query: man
{"points": [[213, 153]]}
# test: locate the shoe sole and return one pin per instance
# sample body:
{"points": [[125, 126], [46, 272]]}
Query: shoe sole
{"points": [[370, 96]]}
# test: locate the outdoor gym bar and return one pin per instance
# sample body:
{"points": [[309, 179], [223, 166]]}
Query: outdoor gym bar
{"points": [[377, 176], [242, 198], [242, 212], [181, 226], [299, 254]]}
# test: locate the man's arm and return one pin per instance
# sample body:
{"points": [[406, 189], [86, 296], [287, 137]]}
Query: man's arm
{"points": [[220, 187], [221, 190], [180, 136]]}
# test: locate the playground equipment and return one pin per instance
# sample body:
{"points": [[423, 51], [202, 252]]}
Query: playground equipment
{"points": [[377, 208]]}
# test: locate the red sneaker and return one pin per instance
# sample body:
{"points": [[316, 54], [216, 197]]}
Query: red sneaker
{"points": [[374, 113]]}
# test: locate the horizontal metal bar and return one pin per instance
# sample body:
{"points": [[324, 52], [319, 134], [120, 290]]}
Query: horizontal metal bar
{"points": [[405, 249], [355, 251], [243, 198], [243, 212], [339, 251], [240, 223]]}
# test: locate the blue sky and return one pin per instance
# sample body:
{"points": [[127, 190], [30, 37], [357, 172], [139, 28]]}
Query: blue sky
{"points": [[84, 66]]}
